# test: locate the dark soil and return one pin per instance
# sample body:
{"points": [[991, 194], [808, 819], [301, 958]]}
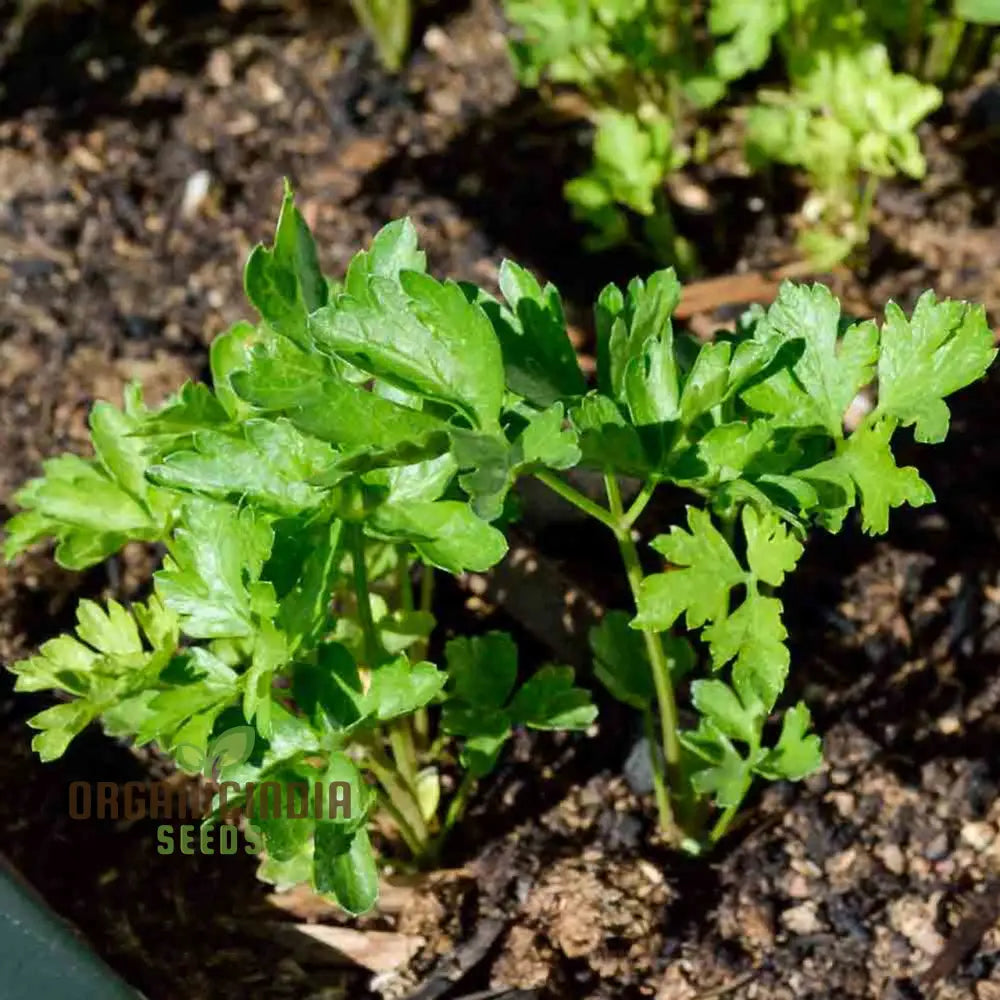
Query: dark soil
{"points": [[876, 872]]}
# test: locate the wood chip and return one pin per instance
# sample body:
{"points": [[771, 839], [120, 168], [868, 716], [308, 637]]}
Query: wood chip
{"points": [[380, 951]]}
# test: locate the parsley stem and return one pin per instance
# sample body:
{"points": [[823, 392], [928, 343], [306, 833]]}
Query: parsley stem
{"points": [[406, 805], [427, 587], [421, 722], [373, 651], [639, 504], [400, 736], [456, 809], [405, 583], [578, 500], [658, 662]]}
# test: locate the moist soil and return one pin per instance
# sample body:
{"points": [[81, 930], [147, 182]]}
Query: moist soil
{"points": [[138, 170]]}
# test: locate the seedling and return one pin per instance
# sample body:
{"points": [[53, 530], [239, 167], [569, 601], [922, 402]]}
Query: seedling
{"points": [[834, 101]]}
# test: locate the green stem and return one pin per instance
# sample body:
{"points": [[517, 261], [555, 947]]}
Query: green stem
{"points": [[374, 653], [639, 504], [404, 752], [421, 720], [412, 841], [406, 805], [657, 659], [403, 576], [457, 806], [944, 47], [915, 36], [578, 500], [660, 792], [865, 206], [427, 587], [400, 736]]}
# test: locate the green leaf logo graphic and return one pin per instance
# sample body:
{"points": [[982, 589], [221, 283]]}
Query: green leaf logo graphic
{"points": [[230, 748], [189, 758]]}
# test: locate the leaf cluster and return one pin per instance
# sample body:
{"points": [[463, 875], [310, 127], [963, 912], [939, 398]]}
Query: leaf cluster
{"points": [[372, 426], [843, 93]]}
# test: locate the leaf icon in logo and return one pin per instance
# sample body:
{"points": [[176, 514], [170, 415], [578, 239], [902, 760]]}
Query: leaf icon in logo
{"points": [[189, 758], [230, 748]]}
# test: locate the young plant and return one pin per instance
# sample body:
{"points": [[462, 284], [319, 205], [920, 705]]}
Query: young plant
{"points": [[293, 499], [847, 121], [390, 416], [642, 71], [833, 107]]}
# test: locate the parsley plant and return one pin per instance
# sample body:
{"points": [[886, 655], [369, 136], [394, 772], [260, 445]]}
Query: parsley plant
{"points": [[833, 101], [370, 429], [296, 500]]}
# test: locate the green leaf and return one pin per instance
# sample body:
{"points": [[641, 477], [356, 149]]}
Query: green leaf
{"points": [[423, 336], [192, 408], [268, 462], [608, 442], [483, 669], [827, 371], [546, 443], [58, 726], [721, 705], [748, 30], [942, 348], [538, 357], [797, 753], [446, 533], [868, 462], [285, 836], [728, 777], [330, 691], [486, 470], [93, 507], [229, 353], [621, 663], [394, 249], [302, 386], [635, 334], [755, 635], [421, 481], [549, 700], [285, 283], [270, 652], [112, 632], [706, 384], [102, 667], [304, 608], [216, 552], [398, 688], [699, 587], [343, 862], [978, 11], [642, 350], [772, 551], [485, 731], [119, 453], [349, 875]]}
